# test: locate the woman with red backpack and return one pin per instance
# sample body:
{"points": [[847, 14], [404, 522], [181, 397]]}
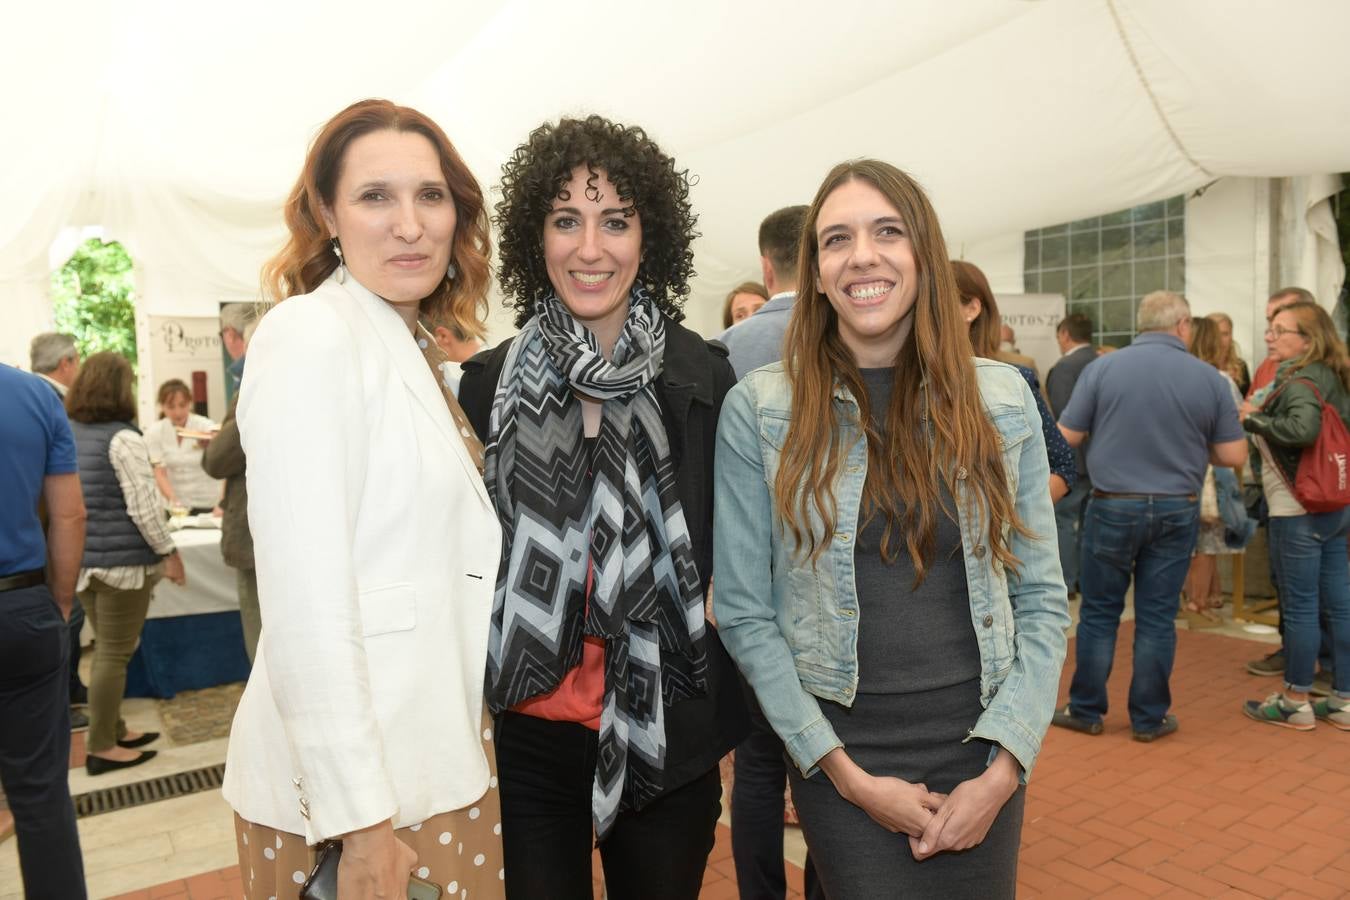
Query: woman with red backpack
{"points": [[1305, 458]]}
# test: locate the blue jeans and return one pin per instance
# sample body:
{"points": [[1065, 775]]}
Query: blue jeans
{"points": [[1149, 539], [1314, 577], [1069, 525]]}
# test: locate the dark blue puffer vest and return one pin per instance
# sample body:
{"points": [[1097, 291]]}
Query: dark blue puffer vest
{"points": [[111, 538]]}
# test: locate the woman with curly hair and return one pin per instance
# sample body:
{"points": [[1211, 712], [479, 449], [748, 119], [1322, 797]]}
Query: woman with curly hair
{"points": [[363, 719], [613, 695], [887, 568]]}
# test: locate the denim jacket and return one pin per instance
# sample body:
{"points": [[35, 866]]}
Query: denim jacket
{"points": [[792, 626]]}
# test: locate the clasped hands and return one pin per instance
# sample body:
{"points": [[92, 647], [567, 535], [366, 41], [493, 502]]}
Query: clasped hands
{"points": [[933, 821]]}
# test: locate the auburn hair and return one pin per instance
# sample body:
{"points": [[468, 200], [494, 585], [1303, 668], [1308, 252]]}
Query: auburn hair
{"points": [[1324, 345], [308, 258], [936, 429]]}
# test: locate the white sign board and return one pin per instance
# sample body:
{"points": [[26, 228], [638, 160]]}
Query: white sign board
{"points": [[179, 347], [1033, 319]]}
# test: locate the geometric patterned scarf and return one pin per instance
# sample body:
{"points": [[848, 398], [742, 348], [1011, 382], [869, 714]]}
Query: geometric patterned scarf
{"points": [[618, 509]]}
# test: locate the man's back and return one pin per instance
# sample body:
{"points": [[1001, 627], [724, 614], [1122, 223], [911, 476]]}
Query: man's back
{"points": [[758, 340], [1063, 376], [1153, 411]]}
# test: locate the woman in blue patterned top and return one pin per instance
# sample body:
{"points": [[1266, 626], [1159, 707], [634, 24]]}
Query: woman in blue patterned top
{"points": [[981, 312]]}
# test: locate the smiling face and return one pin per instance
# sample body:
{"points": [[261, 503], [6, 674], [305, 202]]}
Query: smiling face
{"points": [[866, 268], [1284, 340], [592, 251], [393, 215], [743, 306]]}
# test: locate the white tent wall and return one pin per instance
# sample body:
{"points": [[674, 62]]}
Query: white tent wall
{"points": [[1013, 115], [1228, 257]]}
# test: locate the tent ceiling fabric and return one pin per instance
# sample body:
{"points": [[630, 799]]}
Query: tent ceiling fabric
{"points": [[182, 130]]}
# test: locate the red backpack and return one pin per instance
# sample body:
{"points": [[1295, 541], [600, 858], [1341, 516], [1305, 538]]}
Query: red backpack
{"points": [[1322, 483]]}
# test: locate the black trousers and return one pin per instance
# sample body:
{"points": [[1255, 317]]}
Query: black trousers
{"points": [[757, 814], [545, 772], [35, 743]]}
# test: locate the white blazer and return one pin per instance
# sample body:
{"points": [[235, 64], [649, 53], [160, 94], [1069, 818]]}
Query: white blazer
{"points": [[377, 551]]}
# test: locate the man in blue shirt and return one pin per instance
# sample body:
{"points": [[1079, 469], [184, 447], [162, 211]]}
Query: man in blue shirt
{"points": [[1158, 416], [37, 587], [758, 340]]}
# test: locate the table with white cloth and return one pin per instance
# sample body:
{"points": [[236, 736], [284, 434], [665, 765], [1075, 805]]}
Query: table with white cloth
{"points": [[192, 637]]}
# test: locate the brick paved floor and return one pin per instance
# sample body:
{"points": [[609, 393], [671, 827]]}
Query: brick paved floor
{"points": [[1226, 807]]}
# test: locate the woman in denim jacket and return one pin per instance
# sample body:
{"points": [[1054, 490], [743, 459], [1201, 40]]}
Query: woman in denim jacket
{"points": [[881, 475]]}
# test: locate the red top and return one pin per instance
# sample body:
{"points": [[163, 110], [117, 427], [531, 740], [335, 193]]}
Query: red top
{"points": [[1265, 374], [580, 696]]}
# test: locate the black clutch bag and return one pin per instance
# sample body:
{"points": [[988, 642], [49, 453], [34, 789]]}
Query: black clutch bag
{"points": [[322, 883]]}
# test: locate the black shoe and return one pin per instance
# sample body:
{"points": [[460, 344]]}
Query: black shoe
{"points": [[79, 696], [1169, 725], [78, 721], [1065, 719], [1268, 665], [148, 737], [97, 765]]}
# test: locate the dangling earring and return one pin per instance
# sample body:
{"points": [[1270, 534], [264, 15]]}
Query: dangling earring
{"points": [[341, 266], [451, 271]]}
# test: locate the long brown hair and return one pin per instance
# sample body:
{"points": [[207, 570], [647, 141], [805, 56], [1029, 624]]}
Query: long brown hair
{"points": [[972, 285], [1230, 360], [102, 391], [308, 259], [1323, 344], [936, 427], [1206, 342]]}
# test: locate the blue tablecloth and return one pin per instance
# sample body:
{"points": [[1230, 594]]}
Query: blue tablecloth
{"points": [[185, 653]]}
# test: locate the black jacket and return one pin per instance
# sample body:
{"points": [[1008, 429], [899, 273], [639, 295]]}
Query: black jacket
{"points": [[1291, 417], [695, 378]]}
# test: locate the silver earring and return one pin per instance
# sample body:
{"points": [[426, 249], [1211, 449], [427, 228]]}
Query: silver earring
{"points": [[451, 271], [341, 266]]}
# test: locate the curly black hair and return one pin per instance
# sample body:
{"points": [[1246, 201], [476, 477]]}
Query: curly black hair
{"points": [[647, 181]]}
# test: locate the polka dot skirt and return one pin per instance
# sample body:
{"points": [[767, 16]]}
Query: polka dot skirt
{"points": [[460, 850]]}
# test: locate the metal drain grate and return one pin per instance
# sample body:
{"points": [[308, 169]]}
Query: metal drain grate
{"points": [[180, 784]]}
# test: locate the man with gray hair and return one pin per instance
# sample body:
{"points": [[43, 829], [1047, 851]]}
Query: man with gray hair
{"points": [[1158, 417], [54, 358], [235, 319]]}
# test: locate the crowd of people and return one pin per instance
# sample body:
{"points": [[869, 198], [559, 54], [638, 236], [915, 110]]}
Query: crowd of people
{"points": [[475, 585]]}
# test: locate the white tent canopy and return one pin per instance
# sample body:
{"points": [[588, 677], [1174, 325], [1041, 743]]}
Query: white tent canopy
{"points": [[180, 127]]}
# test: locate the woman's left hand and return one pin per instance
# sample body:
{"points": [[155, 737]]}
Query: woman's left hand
{"points": [[968, 812], [1246, 410]]}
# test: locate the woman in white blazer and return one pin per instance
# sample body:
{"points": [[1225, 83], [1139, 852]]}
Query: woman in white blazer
{"points": [[376, 542]]}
